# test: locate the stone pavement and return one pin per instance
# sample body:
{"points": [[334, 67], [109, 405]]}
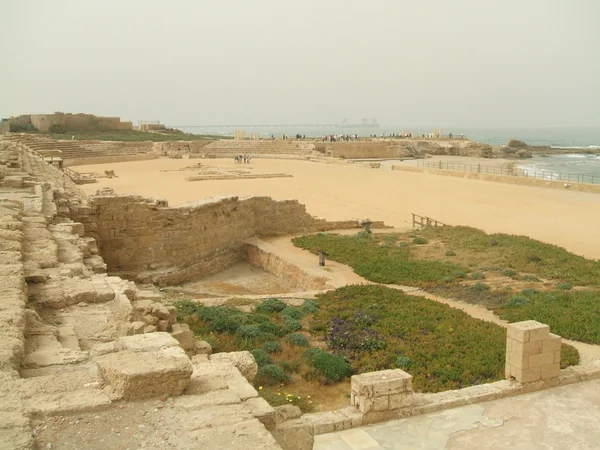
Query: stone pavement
{"points": [[565, 417]]}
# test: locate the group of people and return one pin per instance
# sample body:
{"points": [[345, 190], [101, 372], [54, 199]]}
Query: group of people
{"points": [[242, 159], [340, 137]]}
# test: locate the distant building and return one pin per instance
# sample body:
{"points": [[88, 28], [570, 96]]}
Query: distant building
{"points": [[64, 122]]}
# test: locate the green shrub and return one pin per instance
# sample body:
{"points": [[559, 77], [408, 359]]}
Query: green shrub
{"points": [[292, 313], [186, 308], [251, 332], [270, 328], [262, 358], [271, 347], [270, 305], [297, 339], [564, 286], [363, 235], [511, 273], [530, 278], [310, 306], [481, 287], [290, 366], [569, 356], [476, 276], [332, 367], [420, 240], [447, 279], [530, 291], [403, 362], [270, 375], [517, 301], [291, 325], [460, 274], [450, 253]]}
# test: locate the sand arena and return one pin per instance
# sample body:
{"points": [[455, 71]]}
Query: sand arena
{"points": [[91, 352]]}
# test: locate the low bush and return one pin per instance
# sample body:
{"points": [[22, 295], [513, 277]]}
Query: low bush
{"points": [[297, 339], [511, 273], [310, 306], [186, 308], [331, 367], [479, 286], [530, 278], [569, 356], [270, 375], [517, 301], [476, 276], [271, 347], [292, 313], [530, 291], [270, 305], [403, 244], [290, 366], [420, 240], [450, 253], [459, 274], [564, 286], [447, 279], [262, 358], [291, 325], [403, 362]]}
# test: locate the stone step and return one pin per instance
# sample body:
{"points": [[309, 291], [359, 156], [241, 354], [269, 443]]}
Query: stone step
{"points": [[72, 402]]}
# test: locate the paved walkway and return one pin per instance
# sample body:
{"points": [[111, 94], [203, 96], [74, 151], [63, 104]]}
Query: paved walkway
{"points": [[566, 417]]}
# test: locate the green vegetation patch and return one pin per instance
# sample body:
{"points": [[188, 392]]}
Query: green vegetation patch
{"points": [[519, 253], [131, 135], [388, 265], [571, 314]]}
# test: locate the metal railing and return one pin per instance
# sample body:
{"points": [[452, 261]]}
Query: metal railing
{"points": [[512, 171]]}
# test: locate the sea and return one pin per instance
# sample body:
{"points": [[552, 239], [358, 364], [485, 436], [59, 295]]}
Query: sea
{"points": [[561, 166]]}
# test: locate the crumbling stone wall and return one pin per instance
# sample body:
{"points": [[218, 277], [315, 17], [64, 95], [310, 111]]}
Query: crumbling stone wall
{"points": [[151, 242]]}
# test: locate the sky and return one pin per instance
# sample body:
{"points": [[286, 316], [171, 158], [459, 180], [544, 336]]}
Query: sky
{"points": [[421, 63]]}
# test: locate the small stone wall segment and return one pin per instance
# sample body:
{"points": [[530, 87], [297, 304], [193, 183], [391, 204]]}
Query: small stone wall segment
{"points": [[532, 352], [381, 391], [151, 242], [147, 365]]}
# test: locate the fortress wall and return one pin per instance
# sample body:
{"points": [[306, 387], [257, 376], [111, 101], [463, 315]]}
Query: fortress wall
{"points": [[78, 122], [527, 181], [138, 235]]}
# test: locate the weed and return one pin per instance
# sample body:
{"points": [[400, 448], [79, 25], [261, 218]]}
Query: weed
{"points": [[564, 286], [271, 347], [262, 357], [271, 375], [450, 253], [476, 276], [297, 339], [292, 313], [420, 240], [270, 305]]}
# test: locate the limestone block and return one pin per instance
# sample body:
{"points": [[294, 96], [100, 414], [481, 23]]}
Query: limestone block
{"points": [[402, 400], [136, 375], [542, 359], [552, 344], [264, 412], [163, 325], [150, 329], [147, 342], [202, 348], [528, 330], [517, 361], [528, 375], [354, 416], [185, 336], [381, 383], [13, 182], [243, 389], [243, 361], [295, 434], [550, 371], [288, 412]]}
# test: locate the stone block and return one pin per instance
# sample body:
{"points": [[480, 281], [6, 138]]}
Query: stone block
{"points": [[185, 336], [243, 389], [384, 382], [354, 416], [202, 348], [402, 400], [136, 375], [381, 403], [528, 348], [522, 331], [147, 342], [540, 360], [552, 344], [264, 412], [529, 375], [288, 412], [295, 434], [243, 361], [550, 371], [517, 361]]}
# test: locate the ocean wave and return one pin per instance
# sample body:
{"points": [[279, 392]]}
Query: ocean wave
{"points": [[563, 147]]}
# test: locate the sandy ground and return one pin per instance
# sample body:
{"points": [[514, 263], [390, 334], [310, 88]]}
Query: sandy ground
{"points": [[344, 191]]}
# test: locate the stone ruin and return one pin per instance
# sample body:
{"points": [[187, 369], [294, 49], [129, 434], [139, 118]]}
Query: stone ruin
{"points": [[79, 346], [76, 341]]}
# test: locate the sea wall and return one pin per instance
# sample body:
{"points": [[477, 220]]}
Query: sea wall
{"points": [[526, 181], [146, 240]]}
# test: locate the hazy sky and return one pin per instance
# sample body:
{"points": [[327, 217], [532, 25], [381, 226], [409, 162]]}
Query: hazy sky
{"points": [[425, 63]]}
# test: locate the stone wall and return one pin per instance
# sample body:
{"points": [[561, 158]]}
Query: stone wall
{"points": [[351, 150], [151, 242], [78, 122]]}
